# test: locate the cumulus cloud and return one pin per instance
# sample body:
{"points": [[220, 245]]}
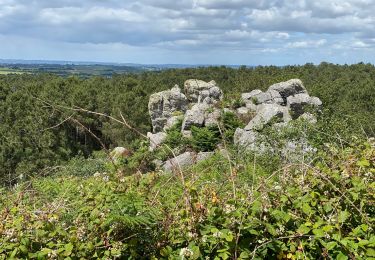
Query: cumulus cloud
{"points": [[247, 26], [307, 44]]}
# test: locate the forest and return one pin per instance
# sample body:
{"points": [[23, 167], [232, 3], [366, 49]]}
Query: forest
{"points": [[61, 198]]}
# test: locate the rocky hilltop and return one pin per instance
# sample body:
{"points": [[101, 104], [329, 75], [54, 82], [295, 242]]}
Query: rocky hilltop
{"points": [[200, 104]]}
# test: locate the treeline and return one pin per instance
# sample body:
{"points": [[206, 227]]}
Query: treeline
{"points": [[42, 123]]}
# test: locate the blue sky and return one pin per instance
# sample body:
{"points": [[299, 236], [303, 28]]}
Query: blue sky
{"points": [[250, 32]]}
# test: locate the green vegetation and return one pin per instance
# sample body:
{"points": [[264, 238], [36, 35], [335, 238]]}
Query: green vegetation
{"points": [[36, 135], [62, 196], [322, 210]]}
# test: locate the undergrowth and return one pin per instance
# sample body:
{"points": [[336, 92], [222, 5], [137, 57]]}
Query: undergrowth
{"points": [[245, 207]]}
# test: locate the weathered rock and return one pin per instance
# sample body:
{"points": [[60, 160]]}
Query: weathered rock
{"points": [[182, 160], [245, 138], [197, 90], [258, 97], [212, 117], [195, 116], [289, 88], [185, 160], [245, 114], [268, 113], [203, 95], [186, 133], [172, 121], [216, 93], [269, 97], [163, 104], [298, 102], [251, 141], [209, 101], [315, 101], [228, 110], [276, 97], [158, 124], [242, 111], [201, 156], [156, 139], [251, 106], [248, 96], [308, 117], [118, 153]]}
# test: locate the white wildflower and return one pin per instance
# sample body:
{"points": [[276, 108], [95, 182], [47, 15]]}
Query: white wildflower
{"points": [[186, 252], [217, 234], [229, 208]]}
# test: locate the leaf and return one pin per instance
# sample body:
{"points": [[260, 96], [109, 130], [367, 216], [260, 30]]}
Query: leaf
{"points": [[363, 163], [229, 237], [343, 216], [68, 249], [271, 229], [244, 255], [254, 232], [257, 207], [306, 209], [370, 252], [364, 227], [14, 253], [318, 232], [327, 207], [331, 245], [341, 256], [23, 249], [303, 229]]}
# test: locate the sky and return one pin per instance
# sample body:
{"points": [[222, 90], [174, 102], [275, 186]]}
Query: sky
{"points": [[242, 32]]}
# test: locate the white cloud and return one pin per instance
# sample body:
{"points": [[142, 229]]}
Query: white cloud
{"points": [[263, 26], [307, 44]]}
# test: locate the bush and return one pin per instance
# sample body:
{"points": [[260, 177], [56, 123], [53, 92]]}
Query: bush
{"points": [[230, 123], [205, 138], [80, 166]]}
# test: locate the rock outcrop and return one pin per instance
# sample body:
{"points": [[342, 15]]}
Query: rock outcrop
{"points": [[198, 105], [195, 107], [163, 105], [199, 91], [281, 103], [156, 139], [184, 160]]}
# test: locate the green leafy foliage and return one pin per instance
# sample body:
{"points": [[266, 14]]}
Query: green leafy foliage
{"points": [[240, 208], [230, 123], [205, 138]]}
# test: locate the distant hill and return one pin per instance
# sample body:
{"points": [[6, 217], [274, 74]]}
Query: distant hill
{"points": [[86, 69]]}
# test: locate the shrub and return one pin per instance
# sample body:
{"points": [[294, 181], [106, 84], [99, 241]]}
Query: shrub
{"points": [[205, 138], [230, 123]]}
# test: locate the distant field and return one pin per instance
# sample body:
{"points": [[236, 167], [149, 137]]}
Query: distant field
{"points": [[68, 70], [5, 71]]}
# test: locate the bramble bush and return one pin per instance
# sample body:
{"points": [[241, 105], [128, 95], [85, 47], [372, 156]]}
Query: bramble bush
{"points": [[247, 207]]}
